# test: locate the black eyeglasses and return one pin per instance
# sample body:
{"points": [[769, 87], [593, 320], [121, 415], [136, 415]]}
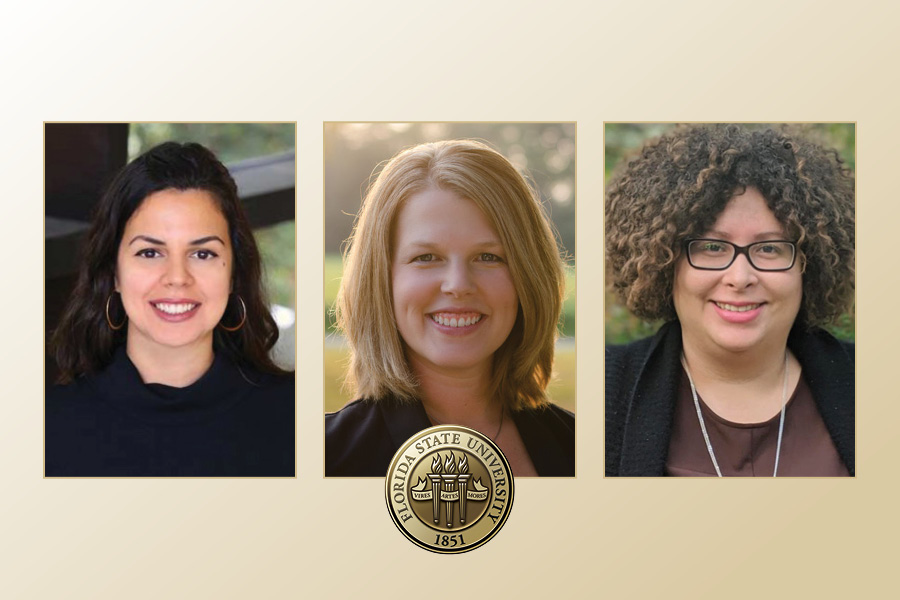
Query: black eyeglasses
{"points": [[717, 255]]}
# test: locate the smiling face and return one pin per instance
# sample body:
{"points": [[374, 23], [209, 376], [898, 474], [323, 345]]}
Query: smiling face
{"points": [[454, 299], [174, 271], [739, 308]]}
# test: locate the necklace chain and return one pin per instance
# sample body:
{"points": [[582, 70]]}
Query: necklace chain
{"points": [[493, 439], [709, 447]]}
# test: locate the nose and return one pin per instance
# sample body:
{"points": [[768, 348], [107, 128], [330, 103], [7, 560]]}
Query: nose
{"points": [[741, 273], [177, 273], [457, 279]]}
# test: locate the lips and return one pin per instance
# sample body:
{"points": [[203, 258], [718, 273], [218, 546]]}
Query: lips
{"points": [[456, 319], [175, 310], [739, 313], [172, 308], [737, 307]]}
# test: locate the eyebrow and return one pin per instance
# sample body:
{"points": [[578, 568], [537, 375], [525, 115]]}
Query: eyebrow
{"points": [[764, 235], [197, 242]]}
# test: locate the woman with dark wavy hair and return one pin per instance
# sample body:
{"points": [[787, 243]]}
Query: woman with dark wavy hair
{"points": [[743, 240], [164, 346]]}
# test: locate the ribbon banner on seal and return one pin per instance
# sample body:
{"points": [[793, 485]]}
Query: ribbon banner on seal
{"points": [[449, 483]]}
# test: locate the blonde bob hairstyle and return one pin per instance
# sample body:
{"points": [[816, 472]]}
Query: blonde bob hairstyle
{"points": [[364, 309]]}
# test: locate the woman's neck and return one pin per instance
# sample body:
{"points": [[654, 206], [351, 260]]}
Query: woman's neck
{"points": [[733, 367], [176, 367], [743, 387], [460, 399]]}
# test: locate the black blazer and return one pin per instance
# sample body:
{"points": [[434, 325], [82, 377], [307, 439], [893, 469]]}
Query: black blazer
{"points": [[642, 386], [362, 438]]}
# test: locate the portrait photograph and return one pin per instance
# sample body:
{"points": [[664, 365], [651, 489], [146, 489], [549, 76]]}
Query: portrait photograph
{"points": [[730, 271], [170, 299], [449, 290]]}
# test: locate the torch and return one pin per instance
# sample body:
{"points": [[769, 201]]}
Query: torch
{"points": [[449, 478], [463, 479], [435, 477]]}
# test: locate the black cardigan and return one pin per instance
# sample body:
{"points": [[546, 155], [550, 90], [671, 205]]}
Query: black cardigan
{"points": [[642, 386], [231, 422], [362, 437]]}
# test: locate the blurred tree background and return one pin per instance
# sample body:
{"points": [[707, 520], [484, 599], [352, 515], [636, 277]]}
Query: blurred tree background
{"points": [[354, 155], [623, 142], [232, 142], [229, 141]]}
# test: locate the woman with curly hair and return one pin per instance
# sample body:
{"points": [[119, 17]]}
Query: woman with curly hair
{"points": [[450, 299], [743, 241], [163, 347]]}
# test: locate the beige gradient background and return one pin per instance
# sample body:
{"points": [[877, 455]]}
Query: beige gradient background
{"points": [[468, 60]]}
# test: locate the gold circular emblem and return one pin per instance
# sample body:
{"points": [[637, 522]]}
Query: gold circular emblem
{"points": [[449, 489]]}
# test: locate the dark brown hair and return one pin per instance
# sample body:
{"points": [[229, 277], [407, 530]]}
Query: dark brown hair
{"points": [[680, 183], [84, 343]]}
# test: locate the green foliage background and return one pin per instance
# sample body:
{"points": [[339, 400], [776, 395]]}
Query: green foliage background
{"points": [[229, 141]]}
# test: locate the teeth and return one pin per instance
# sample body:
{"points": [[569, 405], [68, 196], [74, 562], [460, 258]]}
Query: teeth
{"points": [[174, 309], [456, 320], [734, 308]]}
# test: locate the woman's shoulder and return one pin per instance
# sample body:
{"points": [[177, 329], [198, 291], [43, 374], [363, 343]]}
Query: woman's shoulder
{"points": [[553, 416], [77, 395], [549, 436], [266, 401], [625, 361], [818, 345], [640, 348], [276, 386], [552, 421], [74, 424], [360, 422], [351, 414], [850, 349], [358, 441]]}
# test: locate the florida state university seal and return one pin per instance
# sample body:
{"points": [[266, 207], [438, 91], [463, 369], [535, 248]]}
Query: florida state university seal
{"points": [[449, 489]]}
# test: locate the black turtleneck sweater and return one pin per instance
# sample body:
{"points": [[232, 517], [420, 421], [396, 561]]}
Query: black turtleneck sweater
{"points": [[229, 423]]}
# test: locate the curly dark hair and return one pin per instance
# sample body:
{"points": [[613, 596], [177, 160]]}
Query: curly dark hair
{"points": [[680, 183], [84, 342]]}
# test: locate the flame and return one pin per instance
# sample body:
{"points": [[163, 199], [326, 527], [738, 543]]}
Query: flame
{"points": [[450, 464], [436, 464], [463, 465]]}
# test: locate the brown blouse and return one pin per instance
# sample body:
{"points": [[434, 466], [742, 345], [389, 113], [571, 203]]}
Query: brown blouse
{"points": [[748, 449]]}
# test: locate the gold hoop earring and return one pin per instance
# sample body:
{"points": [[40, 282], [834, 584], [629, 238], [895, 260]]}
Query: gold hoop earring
{"points": [[243, 317], [109, 321]]}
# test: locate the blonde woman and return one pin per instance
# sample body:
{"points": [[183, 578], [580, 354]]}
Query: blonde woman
{"points": [[450, 300]]}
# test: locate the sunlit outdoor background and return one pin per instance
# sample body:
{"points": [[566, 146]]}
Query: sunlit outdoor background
{"points": [[623, 142], [354, 154]]}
